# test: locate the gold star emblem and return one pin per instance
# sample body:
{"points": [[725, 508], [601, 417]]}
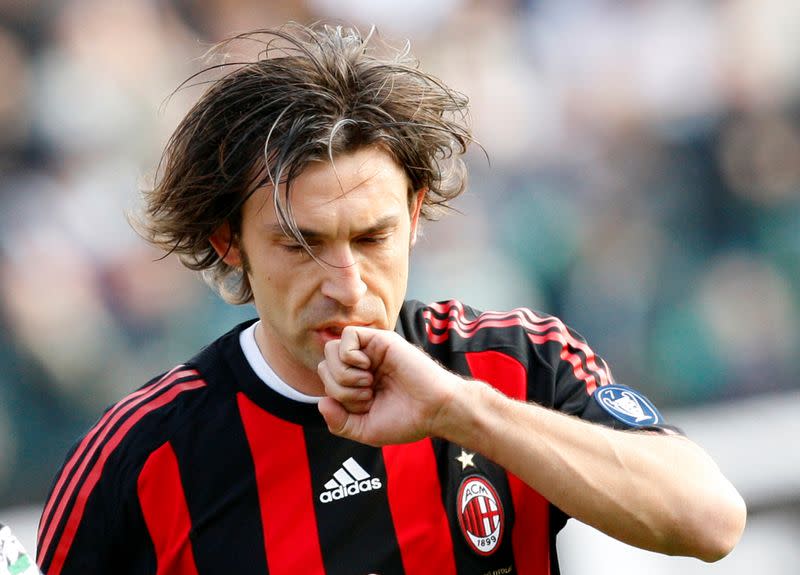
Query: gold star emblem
{"points": [[465, 459]]}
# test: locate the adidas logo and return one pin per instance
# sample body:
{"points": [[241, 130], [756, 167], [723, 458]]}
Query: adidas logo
{"points": [[349, 479]]}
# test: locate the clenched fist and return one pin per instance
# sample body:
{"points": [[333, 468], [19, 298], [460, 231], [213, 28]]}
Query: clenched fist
{"points": [[381, 389]]}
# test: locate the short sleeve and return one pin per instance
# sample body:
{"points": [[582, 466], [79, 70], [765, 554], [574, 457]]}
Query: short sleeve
{"points": [[585, 387]]}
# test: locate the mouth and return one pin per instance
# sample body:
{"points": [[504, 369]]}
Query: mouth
{"points": [[329, 332]]}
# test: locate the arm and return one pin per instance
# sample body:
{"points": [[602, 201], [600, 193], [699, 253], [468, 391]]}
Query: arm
{"points": [[653, 491]]}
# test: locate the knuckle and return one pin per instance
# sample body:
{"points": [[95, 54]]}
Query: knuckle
{"points": [[331, 347]]}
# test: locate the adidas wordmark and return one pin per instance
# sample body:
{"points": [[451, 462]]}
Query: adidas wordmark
{"points": [[349, 479]]}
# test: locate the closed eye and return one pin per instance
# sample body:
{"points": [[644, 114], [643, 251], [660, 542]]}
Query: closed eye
{"points": [[296, 248], [373, 239]]}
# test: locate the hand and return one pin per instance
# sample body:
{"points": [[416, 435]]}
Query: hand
{"points": [[381, 389]]}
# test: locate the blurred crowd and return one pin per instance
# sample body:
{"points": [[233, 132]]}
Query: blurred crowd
{"points": [[642, 182]]}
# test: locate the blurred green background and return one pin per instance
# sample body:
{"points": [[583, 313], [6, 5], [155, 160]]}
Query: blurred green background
{"points": [[643, 185]]}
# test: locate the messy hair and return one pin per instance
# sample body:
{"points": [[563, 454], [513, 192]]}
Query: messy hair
{"points": [[311, 94]]}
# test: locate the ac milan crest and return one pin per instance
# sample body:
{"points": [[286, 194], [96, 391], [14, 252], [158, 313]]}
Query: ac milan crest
{"points": [[480, 514]]}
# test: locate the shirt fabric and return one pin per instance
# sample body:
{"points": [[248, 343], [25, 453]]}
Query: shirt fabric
{"points": [[206, 469]]}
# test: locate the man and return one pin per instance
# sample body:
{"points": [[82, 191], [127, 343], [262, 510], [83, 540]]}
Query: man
{"points": [[345, 430]]}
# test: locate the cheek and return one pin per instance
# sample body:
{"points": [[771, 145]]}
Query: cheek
{"points": [[393, 271], [296, 285]]}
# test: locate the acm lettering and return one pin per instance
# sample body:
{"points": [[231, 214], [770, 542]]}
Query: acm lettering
{"points": [[474, 489]]}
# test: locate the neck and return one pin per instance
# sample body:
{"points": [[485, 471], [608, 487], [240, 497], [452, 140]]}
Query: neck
{"points": [[285, 366]]}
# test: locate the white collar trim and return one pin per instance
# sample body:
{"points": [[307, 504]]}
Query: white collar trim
{"points": [[247, 339]]}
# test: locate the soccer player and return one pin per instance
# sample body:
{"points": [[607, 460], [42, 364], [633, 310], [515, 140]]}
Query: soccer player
{"points": [[345, 430]]}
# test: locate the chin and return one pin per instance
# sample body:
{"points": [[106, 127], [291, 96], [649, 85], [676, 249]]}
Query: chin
{"points": [[312, 355]]}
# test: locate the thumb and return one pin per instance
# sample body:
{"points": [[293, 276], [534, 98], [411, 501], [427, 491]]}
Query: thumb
{"points": [[335, 415]]}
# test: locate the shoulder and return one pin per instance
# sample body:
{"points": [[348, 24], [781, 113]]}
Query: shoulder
{"points": [[141, 421], [439, 322], [530, 337], [131, 428], [98, 476], [96, 486]]}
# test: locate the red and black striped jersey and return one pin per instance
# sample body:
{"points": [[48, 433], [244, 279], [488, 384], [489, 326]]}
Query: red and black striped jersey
{"points": [[206, 469]]}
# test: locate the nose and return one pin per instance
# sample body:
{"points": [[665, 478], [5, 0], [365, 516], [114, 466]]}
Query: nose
{"points": [[344, 284]]}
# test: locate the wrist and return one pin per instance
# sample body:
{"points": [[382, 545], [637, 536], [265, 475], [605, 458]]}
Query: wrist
{"points": [[459, 417]]}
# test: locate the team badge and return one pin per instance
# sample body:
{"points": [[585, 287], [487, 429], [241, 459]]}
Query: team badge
{"points": [[480, 515], [627, 405]]}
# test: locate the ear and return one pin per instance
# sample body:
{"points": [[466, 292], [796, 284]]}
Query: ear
{"points": [[416, 209], [226, 245]]}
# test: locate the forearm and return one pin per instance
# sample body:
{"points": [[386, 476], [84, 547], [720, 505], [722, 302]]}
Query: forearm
{"points": [[659, 493], [655, 492]]}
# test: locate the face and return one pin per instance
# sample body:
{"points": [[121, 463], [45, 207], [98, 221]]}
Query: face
{"points": [[356, 217]]}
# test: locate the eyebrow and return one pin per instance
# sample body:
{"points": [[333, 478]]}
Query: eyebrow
{"points": [[381, 225]]}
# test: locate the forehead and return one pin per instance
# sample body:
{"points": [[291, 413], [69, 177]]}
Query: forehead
{"points": [[369, 171], [366, 183]]}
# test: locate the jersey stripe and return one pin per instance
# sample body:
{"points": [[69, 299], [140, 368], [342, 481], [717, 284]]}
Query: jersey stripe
{"points": [[90, 481], [540, 329], [530, 536], [87, 448], [165, 512], [285, 492], [418, 513], [356, 530], [219, 482], [502, 371]]}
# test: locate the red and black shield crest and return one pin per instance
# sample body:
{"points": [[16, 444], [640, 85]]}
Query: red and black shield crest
{"points": [[480, 514]]}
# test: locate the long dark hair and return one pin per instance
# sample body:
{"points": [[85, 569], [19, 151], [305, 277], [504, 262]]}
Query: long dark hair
{"points": [[313, 92]]}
